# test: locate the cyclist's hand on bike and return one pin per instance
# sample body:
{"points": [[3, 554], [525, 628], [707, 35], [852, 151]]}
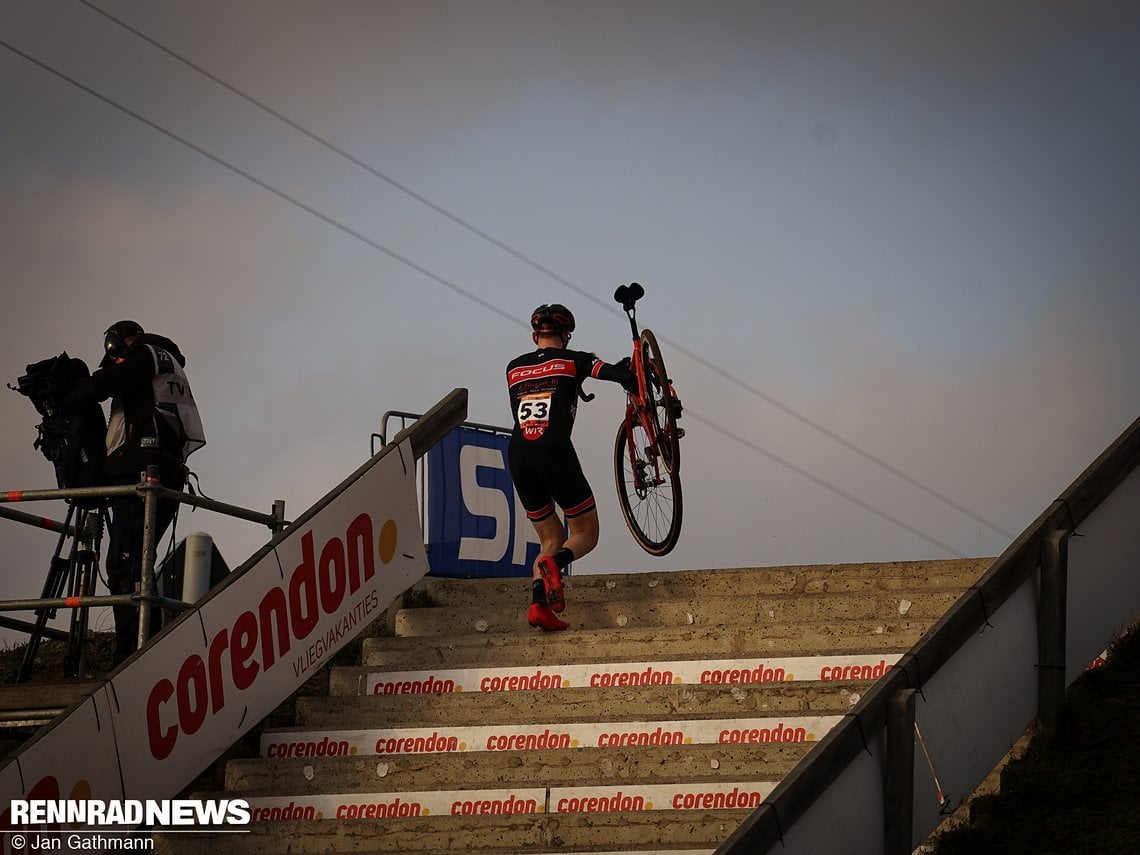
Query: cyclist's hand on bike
{"points": [[629, 380]]}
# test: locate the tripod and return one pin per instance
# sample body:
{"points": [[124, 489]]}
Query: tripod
{"points": [[72, 576]]}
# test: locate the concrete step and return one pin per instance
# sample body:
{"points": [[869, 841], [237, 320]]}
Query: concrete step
{"points": [[528, 647], [460, 732], [563, 767], [656, 831], [612, 703], [716, 611], [33, 704], [743, 581]]}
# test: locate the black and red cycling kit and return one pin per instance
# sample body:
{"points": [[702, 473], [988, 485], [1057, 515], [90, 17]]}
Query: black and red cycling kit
{"points": [[543, 385]]}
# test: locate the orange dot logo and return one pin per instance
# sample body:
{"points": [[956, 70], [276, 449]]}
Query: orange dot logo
{"points": [[387, 547]]}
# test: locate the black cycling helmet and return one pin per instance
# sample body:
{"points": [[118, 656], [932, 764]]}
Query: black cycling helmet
{"points": [[552, 318]]}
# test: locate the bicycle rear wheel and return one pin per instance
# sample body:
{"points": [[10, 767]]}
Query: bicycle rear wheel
{"points": [[649, 493], [659, 399]]}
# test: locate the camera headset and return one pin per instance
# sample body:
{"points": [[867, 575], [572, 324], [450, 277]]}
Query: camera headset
{"points": [[115, 338]]}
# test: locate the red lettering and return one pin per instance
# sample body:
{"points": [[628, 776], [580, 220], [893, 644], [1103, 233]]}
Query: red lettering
{"points": [[286, 614], [359, 537], [242, 646], [303, 592], [272, 612], [217, 688], [332, 576], [161, 741], [193, 694]]}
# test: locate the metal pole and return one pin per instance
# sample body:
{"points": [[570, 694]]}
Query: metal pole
{"points": [[131, 490], [1051, 629], [52, 603], [148, 490], [898, 788], [37, 522], [212, 505], [278, 525], [74, 493]]}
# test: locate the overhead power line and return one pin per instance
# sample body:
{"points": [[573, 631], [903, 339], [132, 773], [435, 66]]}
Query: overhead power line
{"points": [[419, 268], [546, 271], [441, 280], [827, 485]]}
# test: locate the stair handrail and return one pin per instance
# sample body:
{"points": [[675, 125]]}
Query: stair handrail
{"points": [[768, 825]]}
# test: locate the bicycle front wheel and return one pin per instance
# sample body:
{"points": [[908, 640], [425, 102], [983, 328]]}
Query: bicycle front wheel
{"points": [[649, 493], [660, 402]]}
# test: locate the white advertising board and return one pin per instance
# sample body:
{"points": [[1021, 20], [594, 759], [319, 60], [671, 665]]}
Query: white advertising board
{"points": [[541, 737], [189, 695], [628, 674], [387, 806], [718, 795]]}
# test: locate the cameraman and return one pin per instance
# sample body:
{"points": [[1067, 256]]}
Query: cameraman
{"points": [[153, 421]]}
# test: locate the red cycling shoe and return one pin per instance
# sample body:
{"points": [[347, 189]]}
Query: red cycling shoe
{"points": [[552, 580], [543, 618]]}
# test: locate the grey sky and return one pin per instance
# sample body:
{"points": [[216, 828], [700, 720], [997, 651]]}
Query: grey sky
{"points": [[912, 224]]}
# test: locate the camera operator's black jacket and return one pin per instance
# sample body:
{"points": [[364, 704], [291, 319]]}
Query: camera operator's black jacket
{"points": [[151, 431]]}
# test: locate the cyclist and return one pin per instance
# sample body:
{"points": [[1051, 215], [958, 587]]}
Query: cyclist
{"points": [[544, 385]]}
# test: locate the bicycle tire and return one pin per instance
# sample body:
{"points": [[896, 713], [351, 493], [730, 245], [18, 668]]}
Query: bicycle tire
{"points": [[653, 513], [659, 400]]}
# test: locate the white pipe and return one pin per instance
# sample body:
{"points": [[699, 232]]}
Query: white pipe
{"points": [[197, 560]]}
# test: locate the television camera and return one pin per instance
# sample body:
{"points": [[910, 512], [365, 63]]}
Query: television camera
{"points": [[73, 442]]}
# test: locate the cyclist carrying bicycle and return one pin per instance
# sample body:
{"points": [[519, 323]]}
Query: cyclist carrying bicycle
{"points": [[544, 385]]}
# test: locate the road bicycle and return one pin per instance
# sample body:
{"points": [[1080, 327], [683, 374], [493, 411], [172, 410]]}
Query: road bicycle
{"points": [[647, 452]]}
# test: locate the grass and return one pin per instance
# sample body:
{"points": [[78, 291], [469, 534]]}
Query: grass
{"points": [[1077, 792]]}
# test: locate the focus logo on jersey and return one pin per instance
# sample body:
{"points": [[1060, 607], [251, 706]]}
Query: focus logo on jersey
{"points": [[550, 368]]}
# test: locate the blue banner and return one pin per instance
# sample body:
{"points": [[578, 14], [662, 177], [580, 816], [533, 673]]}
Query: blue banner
{"points": [[476, 526]]}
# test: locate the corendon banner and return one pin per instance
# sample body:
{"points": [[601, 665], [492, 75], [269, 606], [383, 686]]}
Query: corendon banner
{"points": [[383, 806], [208, 679], [215, 677], [745, 795], [628, 674], [542, 737]]}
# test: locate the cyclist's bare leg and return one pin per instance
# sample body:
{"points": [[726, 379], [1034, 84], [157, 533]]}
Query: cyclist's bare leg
{"points": [[583, 533], [541, 613], [551, 538]]}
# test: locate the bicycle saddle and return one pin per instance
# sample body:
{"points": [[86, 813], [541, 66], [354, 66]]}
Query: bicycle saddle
{"points": [[629, 294]]}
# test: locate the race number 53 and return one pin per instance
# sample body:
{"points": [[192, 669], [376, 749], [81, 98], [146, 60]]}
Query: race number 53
{"points": [[534, 408]]}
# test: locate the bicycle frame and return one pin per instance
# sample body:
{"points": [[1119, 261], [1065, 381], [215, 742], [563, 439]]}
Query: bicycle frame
{"points": [[646, 468], [638, 411]]}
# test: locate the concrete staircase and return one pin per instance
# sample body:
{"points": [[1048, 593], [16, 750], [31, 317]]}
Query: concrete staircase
{"points": [[673, 705]]}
